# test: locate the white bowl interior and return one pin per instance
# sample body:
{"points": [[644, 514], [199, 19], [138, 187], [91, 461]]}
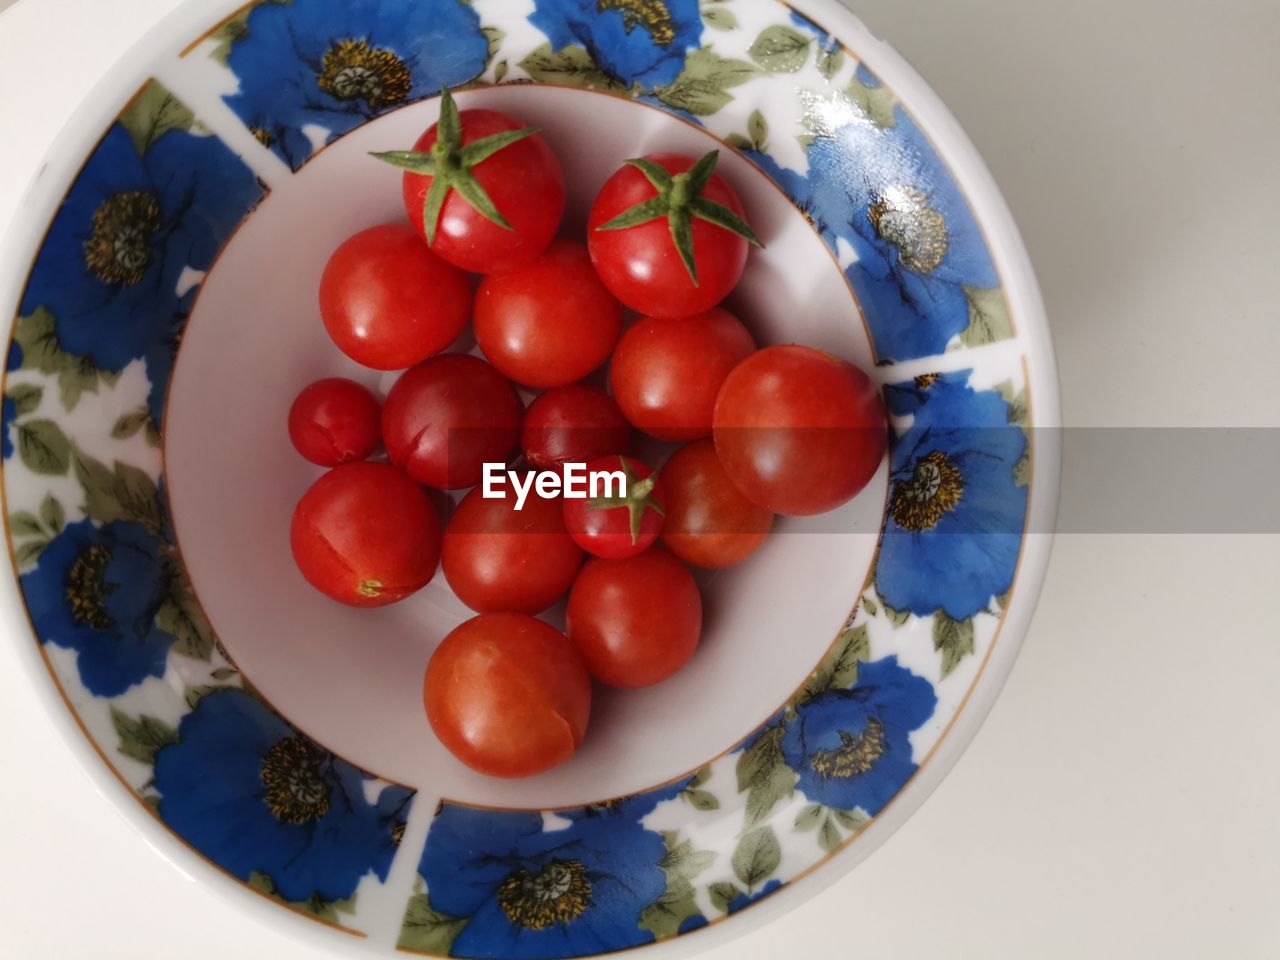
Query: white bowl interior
{"points": [[352, 678]]}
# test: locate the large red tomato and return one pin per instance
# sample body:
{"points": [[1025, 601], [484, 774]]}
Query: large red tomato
{"points": [[366, 535], [709, 522], [507, 695], [550, 322], [388, 302], [484, 190], [666, 235], [497, 558], [635, 621], [576, 423], [798, 430], [446, 418], [665, 374]]}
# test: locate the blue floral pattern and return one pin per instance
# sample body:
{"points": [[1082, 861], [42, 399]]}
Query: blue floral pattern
{"points": [[336, 64], [109, 269], [637, 42], [96, 590], [850, 747], [953, 529], [254, 795], [526, 891], [919, 253]]}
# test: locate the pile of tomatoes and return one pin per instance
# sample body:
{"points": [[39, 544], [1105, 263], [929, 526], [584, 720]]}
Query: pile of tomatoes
{"points": [[781, 430]]}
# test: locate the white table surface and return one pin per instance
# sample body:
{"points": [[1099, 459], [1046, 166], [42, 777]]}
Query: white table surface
{"points": [[1121, 801]]}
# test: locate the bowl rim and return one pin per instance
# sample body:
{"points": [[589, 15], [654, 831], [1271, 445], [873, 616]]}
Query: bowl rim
{"points": [[44, 193]]}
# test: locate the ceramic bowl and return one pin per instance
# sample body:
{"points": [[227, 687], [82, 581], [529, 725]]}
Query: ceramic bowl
{"points": [[162, 278]]}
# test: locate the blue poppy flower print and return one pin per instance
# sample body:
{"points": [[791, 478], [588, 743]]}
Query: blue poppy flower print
{"points": [[336, 64], [745, 899], [131, 224], [8, 414], [918, 251], [96, 590], [850, 747], [640, 42], [254, 795], [954, 524], [532, 892]]}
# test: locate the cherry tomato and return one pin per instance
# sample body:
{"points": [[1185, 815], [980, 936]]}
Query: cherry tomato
{"points": [[578, 423], [635, 621], [447, 417], [366, 535], [709, 522], [641, 264], [499, 558], [522, 182], [388, 302], [798, 430], [335, 421], [507, 695], [665, 374], [618, 525], [550, 322]]}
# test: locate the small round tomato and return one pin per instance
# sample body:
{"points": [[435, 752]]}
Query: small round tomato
{"points": [[619, 524], [507, 695], [550, 322], [388, 302], [635, 621], [497, 557], [709, 522], [682, 251], [484, 190], [798, 430], [665, 374], [366, 535], [576, 423], [447, 417], [335, 421]]}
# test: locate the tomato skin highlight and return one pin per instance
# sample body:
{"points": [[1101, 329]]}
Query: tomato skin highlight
{"points": [[709, 522], [635, 621], [640, 264], [525, 181], [607, 530], [388, 302], [508, 695], [666, 373], [576, 423], [335, 421], [549, 322], [366, 535], [497, 558], [447, 417], [799, 431]]}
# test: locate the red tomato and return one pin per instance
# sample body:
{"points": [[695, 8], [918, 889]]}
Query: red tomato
{"points": [[578, 423], [366, 535], [522, 181], [618, 526], [335, 421], [635, 621], [507, 695], [641, 264], [709, 522], [798, 430], [550, 322], [444, 419], [499, 558], [665, 374], [388, 302]]}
